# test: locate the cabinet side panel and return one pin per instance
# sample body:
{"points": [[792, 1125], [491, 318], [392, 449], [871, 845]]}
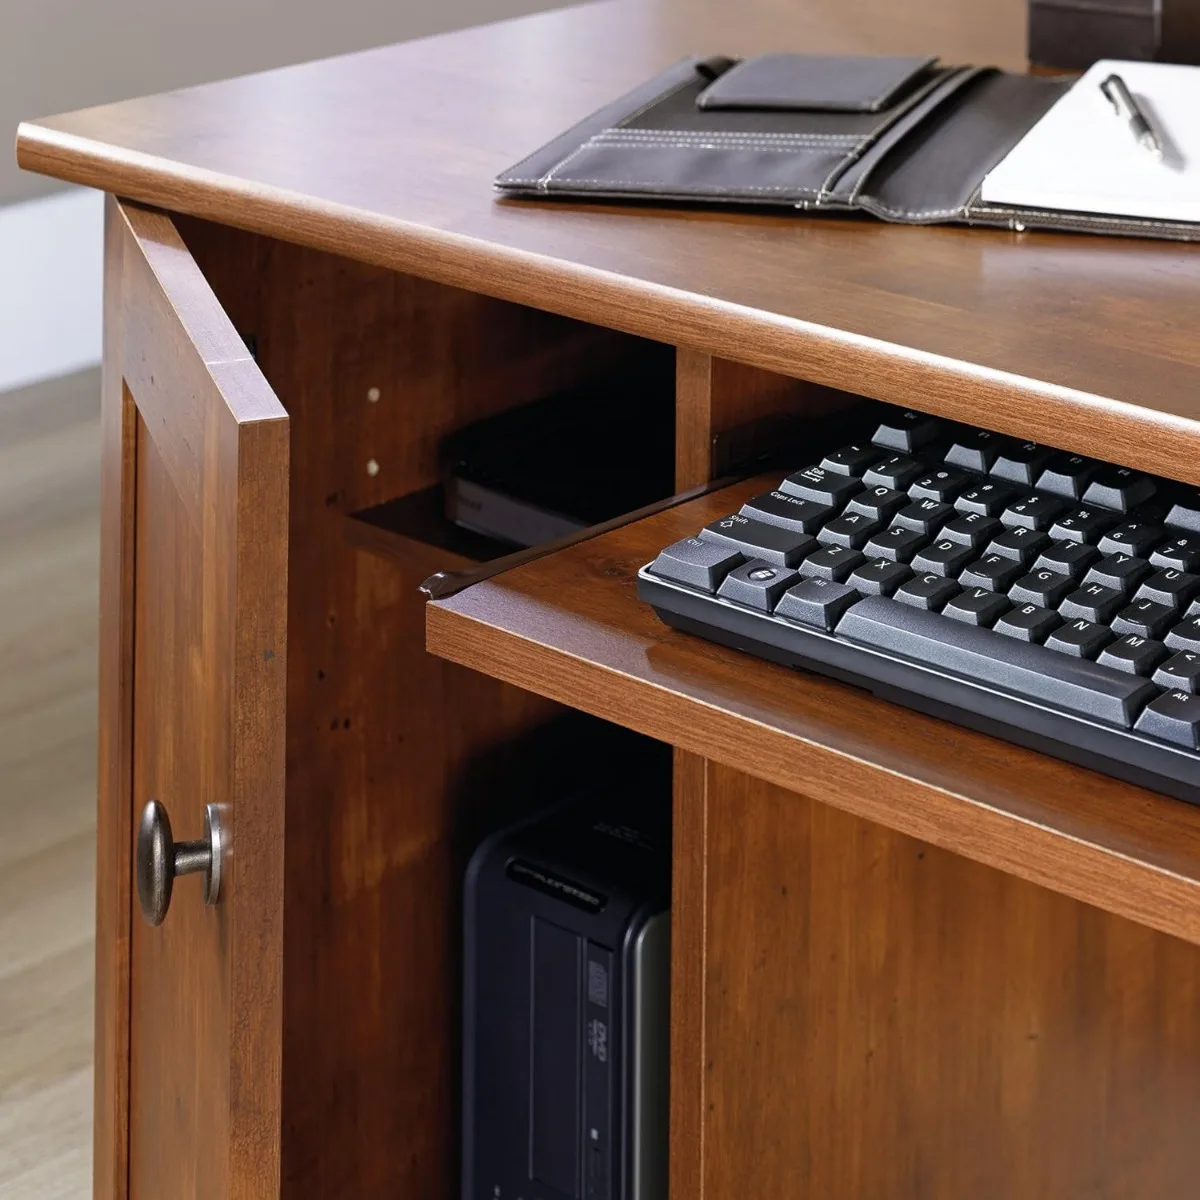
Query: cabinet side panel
{"points": [[888, 1021], [110, 1134], [396, 761]]}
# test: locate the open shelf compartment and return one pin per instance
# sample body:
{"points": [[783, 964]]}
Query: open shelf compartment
{"points": [[570, 627]]}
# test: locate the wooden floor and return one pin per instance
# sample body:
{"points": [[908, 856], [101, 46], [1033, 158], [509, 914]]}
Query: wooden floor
{"points": [[48, 546]]}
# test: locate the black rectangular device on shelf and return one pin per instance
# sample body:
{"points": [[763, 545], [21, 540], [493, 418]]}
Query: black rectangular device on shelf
{"points": [[566, 462], [1045, 597], [566, 999]]}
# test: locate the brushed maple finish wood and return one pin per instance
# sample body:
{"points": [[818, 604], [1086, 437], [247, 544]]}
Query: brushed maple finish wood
{"points": [[114, 821], [885, 1020], [208, 670], [570, 627], [391, 155], [689, 1046], [398, 762]]}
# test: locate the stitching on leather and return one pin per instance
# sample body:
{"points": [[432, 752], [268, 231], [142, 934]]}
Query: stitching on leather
{"points": [[797, 150], [730, 135], [544, 181], [696, 188]]}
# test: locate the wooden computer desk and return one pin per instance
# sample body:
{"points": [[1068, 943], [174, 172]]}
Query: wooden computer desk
{"points": [[909, 961]]}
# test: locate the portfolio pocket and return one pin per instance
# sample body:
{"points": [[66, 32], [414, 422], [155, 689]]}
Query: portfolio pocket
{"points": [[807, 82]]}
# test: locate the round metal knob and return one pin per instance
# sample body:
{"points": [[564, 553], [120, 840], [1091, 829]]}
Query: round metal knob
{"points": [[159, 859]]}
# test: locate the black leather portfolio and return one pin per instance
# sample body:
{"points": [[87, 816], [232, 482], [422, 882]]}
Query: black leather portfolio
{"points": [[903, 139]]}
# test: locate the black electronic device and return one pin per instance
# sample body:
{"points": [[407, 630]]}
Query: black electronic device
{"points": [[566, 999], [1045, 597], [571, 460]]}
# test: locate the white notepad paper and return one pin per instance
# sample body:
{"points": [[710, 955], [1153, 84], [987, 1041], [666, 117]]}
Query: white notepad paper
{"points": [[1082, 157]]}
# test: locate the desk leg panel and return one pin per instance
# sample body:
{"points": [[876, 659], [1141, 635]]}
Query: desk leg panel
{"points": [[881, 1019]]}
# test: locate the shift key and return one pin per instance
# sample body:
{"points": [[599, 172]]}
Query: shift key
{"points": [[754, 539]]}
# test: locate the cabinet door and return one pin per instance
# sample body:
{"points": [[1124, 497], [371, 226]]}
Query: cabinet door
{"points": [[193, 632]]}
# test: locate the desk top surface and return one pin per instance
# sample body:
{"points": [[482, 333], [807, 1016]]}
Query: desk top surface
{"points": [[388, 156]]}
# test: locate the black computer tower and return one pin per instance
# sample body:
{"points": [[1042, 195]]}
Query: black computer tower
{"points": [[566, 999]]}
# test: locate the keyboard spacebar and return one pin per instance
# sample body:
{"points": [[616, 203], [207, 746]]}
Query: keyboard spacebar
{"points": [[1027, 670]]}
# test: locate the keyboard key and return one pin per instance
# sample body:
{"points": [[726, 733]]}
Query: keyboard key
{"points": [[696, 563], [1181, 672], [1185, 635], [1083, 525], [1185, 511], [896, 544], [1067, 558], [1043, 588], [1092, 602], [943, 484], [976, 606], [1079, 638], [1119, 488], [925, 516], [974, 449], [825, 487], [788, 512], [878, 502], [879, 577], [896, 472], [992, 572], [1180, 553], [943, 558], [1029, 623], [850, 460], [758, 584], [971, 529], [988, 499], [852, 529], [754, 539], [1173, 717], [1021, 462], [926, 591], [1035, 511], [906, 431], [1134, 537], [1119, 571], [1067, 475], [833, 563], [816, 602], [1145, 618], [1133, 653], [1175, 588], [1021, 545], [1028, 671]]}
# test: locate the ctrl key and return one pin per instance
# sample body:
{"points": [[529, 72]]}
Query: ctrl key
{"points": [[1173, 717], [817, 602], [696, 563]]}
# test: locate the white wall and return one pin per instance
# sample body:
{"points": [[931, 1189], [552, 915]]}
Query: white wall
{"points": [[57, 55], [50, 289]]}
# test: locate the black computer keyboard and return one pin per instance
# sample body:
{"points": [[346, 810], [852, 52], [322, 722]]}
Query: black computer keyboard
{"points": [[1047, 598]]}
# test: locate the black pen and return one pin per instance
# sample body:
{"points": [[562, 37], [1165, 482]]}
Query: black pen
{"points": [[1120, 97]]}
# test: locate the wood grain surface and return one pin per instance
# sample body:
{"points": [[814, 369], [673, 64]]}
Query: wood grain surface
{"points": [[208, 670], [885, 1020], [570, 627], [388, 156]]}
